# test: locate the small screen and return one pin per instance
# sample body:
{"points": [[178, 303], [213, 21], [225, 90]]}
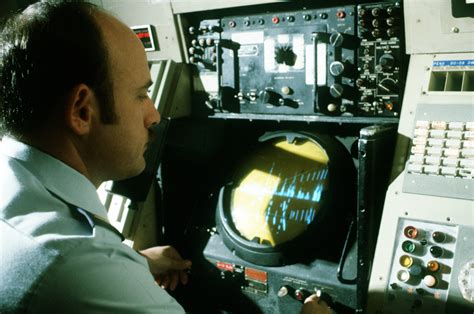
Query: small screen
{"points": [[280, 191]]}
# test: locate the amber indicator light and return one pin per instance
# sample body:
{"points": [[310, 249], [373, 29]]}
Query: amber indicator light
{"points": [[433, 266]]}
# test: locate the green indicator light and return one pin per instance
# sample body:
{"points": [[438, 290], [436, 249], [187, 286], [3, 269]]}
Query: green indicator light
{"points": [[408, 246]]}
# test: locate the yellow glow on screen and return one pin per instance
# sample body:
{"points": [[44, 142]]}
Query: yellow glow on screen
{"points": [[280, 192]]}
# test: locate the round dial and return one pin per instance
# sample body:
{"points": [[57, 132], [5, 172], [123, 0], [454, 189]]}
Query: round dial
{"points": [[466, 281]]}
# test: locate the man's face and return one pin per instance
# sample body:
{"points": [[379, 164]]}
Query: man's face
{"points": [[120, 146]]}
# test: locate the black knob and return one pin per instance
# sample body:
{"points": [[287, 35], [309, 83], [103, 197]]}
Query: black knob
{"points": [[387, 62], [377, 23], [345, 91], [376, 33], [307, 17], [337, 68], [376, 12], [393, 11], [438, 236], [391, 21], [436, 251], [336, 39], [336, 90], [392, 32], [291, 18], [269, 97]]}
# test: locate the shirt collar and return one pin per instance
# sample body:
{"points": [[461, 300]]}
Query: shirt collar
{"points": [[57, 177]]}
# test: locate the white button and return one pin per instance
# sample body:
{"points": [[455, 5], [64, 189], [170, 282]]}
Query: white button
{"points": [[419, 141], [432, 160], [449, 171], [470, 126], [466, 163], [421, 132], [419, 149], [456, 125], [453, 143], [451, 152], [430, 281], [468, 144], [434, 150], [437, 133], [454, 134], [450, 162], [422, 124], [467, 153], [431, 169], [415, 168], [416, 159], [469, 134], [435, 142], [439, 125]]}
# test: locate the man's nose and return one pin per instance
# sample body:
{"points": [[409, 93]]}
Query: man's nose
{"points": [[152, 115]]}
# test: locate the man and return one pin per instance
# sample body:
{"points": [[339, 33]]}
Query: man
{"points": [[75, 112]]}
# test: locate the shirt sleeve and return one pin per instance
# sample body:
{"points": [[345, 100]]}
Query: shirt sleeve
{"points": [[100, 278]]}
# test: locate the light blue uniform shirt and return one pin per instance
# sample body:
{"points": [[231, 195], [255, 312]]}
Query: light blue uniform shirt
{"points": [[55, 259]]}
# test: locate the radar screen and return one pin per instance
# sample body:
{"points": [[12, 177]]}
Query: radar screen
{"points": [[281, 189], [283, 195]]}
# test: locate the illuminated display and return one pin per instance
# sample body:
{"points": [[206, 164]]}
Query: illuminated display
{"points": [[146, 35], [280, 191]]}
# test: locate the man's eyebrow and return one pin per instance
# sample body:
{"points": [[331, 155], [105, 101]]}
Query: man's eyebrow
{"points": [[146, 85]]}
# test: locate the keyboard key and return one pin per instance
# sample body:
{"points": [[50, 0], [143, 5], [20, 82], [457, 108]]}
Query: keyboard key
{"points": [[437, 133], [431, 169], [439, 125], [421, 124], [451, 152], [418, 149], [453, 143], [434, 150], [454, 134], [435, 142], [450, 162], [456, 126], [448, 171], [421, 133], [417, 159], [433, 160], [466, 153], [468, 144], [415, 168]]}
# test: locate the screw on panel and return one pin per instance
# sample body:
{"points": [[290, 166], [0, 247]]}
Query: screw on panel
{"points": [[455, 29]]}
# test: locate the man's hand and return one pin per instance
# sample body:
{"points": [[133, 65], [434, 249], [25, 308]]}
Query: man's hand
{"points": [[315, 305], [167, 266]]}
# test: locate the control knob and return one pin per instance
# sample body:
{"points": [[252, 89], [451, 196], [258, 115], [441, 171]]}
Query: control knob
{"points": [[338, 39], [342, 91], [337, 68], [387, 62], [269, 97]]}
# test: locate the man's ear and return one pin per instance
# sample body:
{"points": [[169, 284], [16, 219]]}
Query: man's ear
{"points": [[79, 111]]}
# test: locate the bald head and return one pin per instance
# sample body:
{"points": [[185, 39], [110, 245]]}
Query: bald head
{"points": [[47, 50]]}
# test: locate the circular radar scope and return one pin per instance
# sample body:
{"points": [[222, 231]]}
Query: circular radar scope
{"points": [[282, 192]]}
